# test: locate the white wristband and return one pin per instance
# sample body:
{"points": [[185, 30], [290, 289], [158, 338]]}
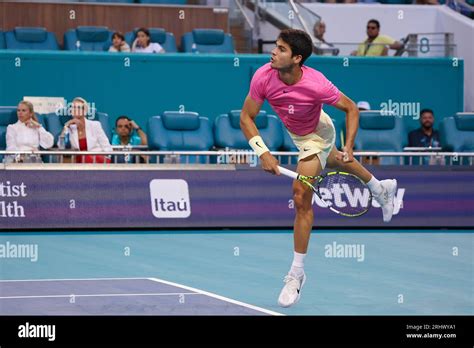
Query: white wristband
{"points": [[257, 144]]}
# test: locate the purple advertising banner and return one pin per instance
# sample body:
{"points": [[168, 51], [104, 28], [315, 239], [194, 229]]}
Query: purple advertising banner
{"points": [[29, 199]]}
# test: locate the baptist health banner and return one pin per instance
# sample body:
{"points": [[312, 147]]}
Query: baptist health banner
{"points": [[437, 197]]}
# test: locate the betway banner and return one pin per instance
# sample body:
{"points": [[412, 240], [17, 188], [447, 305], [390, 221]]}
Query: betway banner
{"points": [[431, 196]]}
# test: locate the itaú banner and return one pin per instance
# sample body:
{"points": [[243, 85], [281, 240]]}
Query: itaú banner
{"points": [[246, 197]]}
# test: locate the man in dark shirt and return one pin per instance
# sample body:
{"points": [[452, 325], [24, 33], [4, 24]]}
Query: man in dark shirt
{"points": [[425, 136]]}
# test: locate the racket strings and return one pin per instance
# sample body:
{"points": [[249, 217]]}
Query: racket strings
{"points": [[345, 193]]}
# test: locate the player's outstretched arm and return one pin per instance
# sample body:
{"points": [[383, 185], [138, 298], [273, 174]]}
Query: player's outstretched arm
{"points": [[249, 112], [352, 124]]}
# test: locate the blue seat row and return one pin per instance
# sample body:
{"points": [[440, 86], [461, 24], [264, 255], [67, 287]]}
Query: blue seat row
{"points": [[189, 131], [99, 38]]}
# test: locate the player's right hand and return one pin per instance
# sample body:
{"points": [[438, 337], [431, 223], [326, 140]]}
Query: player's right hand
{"points": [[269, 163]]}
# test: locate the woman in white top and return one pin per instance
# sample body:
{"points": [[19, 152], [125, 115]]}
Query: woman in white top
{"points": [[118, 43], [143, 44], [86, 135], [27, 135]]}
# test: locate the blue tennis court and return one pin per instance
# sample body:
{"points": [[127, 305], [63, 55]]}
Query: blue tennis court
{"points": [[374, 272]]}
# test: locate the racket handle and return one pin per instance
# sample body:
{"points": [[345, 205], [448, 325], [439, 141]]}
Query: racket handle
{"points": [[288, 172]]}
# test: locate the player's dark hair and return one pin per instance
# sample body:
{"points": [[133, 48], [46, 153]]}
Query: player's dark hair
{"points": [[123, 117], [299, 41], [376, 22], [426, 110]]}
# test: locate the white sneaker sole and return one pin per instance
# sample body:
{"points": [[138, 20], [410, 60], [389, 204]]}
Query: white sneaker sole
{"points": [[297, 298], [394, 200]]}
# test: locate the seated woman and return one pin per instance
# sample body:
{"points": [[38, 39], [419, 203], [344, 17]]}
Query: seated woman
{"points": [[143, 44], [86, 135], [125, 136], [27, 135], [118, 43]]}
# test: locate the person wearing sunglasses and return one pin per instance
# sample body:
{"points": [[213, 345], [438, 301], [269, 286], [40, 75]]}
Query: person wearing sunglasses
{"points": [[376, 44]]}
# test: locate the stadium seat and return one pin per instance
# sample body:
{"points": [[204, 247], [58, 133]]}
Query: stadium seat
{"points": [[208, 41], [180, 131], [229, 135], [158, 35], [2, 40], [7, 116], [457, 133], [29, 38], [88, 38], [288, 146], [378, 132]]}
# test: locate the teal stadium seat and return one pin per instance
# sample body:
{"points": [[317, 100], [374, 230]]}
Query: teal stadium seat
{"points": [[378, 132], [2, 40], [180, 131], [207, 41], [88, 38], [228, 133], [30, 38], [158, 35], [457, 133], [7, 116]]}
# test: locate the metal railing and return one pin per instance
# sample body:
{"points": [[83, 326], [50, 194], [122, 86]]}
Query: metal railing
{"points": [[223, 156]]}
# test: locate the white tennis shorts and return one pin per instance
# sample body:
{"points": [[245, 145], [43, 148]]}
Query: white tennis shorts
{"points": [[320, 142]]}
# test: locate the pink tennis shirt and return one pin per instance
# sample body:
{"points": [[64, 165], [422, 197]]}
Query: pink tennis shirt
{"points": [[299, 105]]}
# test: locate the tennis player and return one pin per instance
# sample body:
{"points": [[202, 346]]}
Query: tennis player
{"points": [[296, 93]]}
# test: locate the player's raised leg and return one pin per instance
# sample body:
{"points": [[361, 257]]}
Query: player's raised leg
{"points": [[302, 196], [383, 191]]}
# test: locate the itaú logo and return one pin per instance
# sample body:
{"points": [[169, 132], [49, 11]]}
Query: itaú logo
{"points": [[170, 198]]}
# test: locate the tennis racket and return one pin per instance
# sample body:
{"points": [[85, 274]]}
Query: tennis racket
{"points": [[344, 193]]}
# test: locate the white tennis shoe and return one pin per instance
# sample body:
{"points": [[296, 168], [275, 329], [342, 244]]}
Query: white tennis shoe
{"points": [[291, 292], [387, 198]]}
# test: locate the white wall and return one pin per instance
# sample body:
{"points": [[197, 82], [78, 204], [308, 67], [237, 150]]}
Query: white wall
{"points": [[346, 23], [463, 29]]}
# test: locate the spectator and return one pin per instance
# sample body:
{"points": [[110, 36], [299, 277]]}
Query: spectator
{"points": [[124, 135], [425, 136], [376, 44], [86, 135], [324, 47], [118, 43], [27, 134], [124, 128], [363, 106], [143, 44]]}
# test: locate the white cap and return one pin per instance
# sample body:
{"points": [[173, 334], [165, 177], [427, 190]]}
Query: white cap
{"points": [[363, 105]]}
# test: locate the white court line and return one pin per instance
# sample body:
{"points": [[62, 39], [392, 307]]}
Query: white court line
{"points": [[98, 295], [67, 279], [219, 297], [202, 292]]}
